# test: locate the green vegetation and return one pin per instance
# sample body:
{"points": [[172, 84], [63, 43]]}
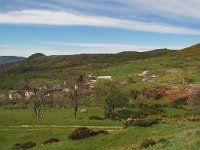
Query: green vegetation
{"points": [[168, 70], [176, 134], [110, 95], [60, 117], [146, 103]]}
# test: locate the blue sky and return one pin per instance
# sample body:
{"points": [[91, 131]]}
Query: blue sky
{"points": [[96, 26]]}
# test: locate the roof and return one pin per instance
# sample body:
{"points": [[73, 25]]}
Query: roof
{"points": [[57, 88]]}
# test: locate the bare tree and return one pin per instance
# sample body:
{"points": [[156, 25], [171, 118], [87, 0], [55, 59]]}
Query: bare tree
{"points": [[74, 96], [38, 98], [39, 101]]}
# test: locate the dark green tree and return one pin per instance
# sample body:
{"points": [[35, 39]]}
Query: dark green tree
{"points": [[110, 95]]}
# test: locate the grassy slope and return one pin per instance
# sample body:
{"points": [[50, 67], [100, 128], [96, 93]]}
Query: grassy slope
{"points": [[126, 139], [169, 69], [190, 51]]}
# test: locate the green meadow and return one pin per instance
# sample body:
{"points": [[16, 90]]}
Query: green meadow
{"points": [[19, 125]]}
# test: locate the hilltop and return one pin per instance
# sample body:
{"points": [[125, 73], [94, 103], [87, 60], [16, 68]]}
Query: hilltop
{"points": [[191, 51]]}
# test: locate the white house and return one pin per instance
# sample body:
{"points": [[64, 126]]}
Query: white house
{"points": [[28, 94], [104, 77]]}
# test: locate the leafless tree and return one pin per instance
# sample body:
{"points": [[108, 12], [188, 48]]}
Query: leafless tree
{"points": [[39, 101], [39, 97], [75, 96], [78, 90]]}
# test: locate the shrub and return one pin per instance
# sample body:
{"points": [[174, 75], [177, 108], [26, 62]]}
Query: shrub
{"points": [[17, 146], [141, 122], [147, 143], [194, 100], [179, 101], [96, 118], [157, 96], [145, 122], [102, 132], [161, 140], [83, 132], [116, 118], [25, 146], [123, 114], [51, 140]]}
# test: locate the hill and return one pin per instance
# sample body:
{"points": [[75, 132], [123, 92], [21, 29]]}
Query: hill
{"points": [[41, 62], [191, 51], [10, 59]]}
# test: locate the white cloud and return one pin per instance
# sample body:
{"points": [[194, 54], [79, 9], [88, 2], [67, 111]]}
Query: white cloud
{"points": [[170, 8], [115, 47], [47, 17]]}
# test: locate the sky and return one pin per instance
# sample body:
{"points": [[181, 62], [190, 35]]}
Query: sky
{"points": [[62, 27]]}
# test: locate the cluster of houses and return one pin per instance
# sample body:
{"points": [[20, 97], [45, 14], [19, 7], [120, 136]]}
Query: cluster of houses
{"points": [[54, 91], [57, 90]]}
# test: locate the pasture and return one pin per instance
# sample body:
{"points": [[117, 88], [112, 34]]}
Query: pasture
{"points": [[19, 125]]}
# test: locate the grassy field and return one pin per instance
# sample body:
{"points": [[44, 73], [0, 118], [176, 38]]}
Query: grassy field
{"points": [[19, 125], [178, 136], [61, 117], [132, 137]]}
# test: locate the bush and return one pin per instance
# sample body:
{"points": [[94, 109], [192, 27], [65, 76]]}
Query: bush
{"points": [[25, 146], [142, 122], [115, 118], [96, 118], [51, 140], [147, 143], [161, 140], [102, 132], [83, 132], [145, 122], [179, 101], [125, 113]]}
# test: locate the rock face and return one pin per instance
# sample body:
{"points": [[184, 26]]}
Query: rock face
{"points": [[148, 76]]}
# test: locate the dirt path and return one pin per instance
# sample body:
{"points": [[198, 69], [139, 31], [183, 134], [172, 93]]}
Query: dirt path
{"points": [[56, 127]]}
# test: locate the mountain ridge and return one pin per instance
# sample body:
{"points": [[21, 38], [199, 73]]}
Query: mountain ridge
{"points": [[10, 59], [40, 61]]}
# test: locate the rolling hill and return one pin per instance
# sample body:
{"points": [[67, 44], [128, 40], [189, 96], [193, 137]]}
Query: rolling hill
{"points": [[10, 59], [41, 62], [191, 51]]}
